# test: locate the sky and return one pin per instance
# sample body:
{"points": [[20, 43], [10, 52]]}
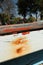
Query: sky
{"points": [[14, 1], [16, 12]]}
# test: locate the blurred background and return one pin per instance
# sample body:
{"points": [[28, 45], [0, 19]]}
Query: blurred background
{"points": [[20, 11]]}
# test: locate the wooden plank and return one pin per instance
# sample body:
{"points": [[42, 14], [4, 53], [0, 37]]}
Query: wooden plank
{"points": [[19, 27]]}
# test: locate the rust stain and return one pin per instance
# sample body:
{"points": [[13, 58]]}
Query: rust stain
{"points": [[21, 46], [20, 41], [8, 30], [19, 50], [16, 29], [23, 50], [24, 33]]}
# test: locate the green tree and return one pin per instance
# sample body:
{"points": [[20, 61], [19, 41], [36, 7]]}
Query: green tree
{"points": [[27, 6], [17, 20], [31, 19], [22, 8], [41, 9], [4, 18], [35, 7], [31, 7]]}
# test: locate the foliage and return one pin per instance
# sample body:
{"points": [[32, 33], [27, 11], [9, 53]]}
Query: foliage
{"points": [[31, 19], [41, 9], [17, 20], [31, 7], [4, 18], [22, 8]]}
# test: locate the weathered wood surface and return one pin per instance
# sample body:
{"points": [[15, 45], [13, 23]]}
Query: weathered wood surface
{"points": [[20, 27]]}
